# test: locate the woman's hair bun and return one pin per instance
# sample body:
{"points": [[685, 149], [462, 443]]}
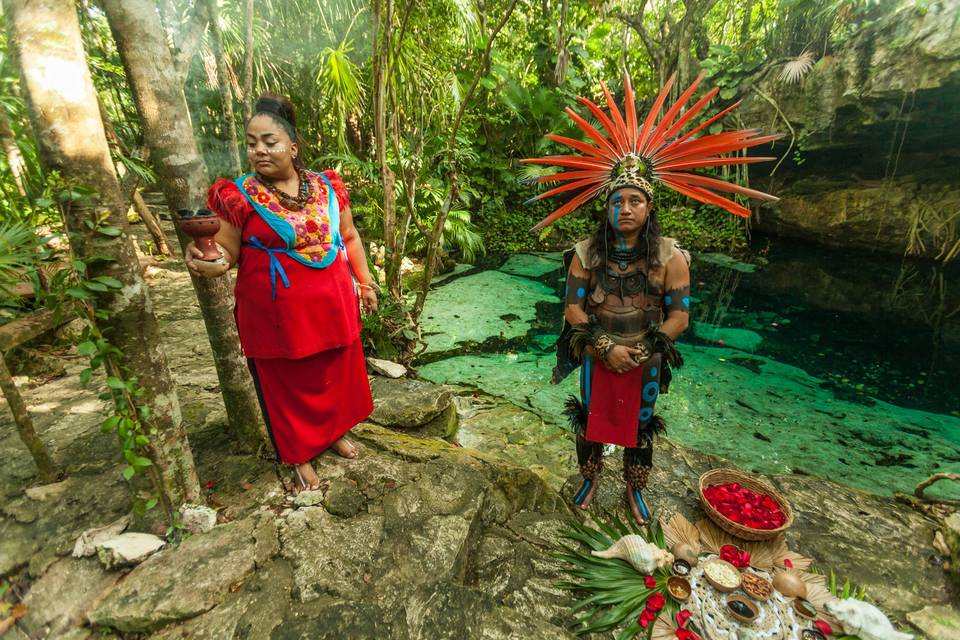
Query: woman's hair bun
{"points": [[278, 105]]}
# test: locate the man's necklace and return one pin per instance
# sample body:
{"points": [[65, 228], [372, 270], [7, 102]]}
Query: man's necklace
{"points": [[292, 203], [624, 257]]}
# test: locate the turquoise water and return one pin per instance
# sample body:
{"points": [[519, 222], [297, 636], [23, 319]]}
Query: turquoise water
{"points": [[814, 362]]}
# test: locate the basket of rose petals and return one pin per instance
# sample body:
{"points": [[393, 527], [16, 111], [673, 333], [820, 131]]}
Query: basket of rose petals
{"points": [[743, 505]]}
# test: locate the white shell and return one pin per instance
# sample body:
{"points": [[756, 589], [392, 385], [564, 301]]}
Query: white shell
{"points": [[864, 620], [642, 555]]}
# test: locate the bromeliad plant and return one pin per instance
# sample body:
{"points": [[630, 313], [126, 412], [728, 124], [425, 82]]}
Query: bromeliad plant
{"points": [[617, 595]]}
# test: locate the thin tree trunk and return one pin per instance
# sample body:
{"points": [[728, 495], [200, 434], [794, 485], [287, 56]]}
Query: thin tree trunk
{"points": [[436, 234], [168, 134], [152, 223], [248, 61], [14, 157], [48, 470], [383, 31], [135, 199], [226, 93], [45, 34]]}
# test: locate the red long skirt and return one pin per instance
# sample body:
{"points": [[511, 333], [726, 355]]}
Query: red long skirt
{"points": [[309, 403]]}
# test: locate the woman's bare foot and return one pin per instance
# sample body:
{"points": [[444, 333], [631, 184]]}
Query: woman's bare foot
{"points": [[307, 478], [584, 496], [345, 448]]}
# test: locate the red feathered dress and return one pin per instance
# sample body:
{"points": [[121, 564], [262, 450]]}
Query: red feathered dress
{"points": [[297, 313]]}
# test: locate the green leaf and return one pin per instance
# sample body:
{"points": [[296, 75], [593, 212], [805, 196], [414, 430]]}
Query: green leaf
{"points": [[113, 283], [79, 294], [85, 375], [142, 463], [151, 503], [111, 231], [716, 128], [87, 348], [95, 286], [131, 457], [128, 472], [142, 441], [728, 92], [79, 266], [115, 383], [43, 203], [108, 425]]}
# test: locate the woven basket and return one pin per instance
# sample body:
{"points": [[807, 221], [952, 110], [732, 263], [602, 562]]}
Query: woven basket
{"points": [[723, 476]]}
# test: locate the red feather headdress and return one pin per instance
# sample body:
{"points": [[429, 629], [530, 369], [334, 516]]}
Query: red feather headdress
{"points": [[637, 154]]}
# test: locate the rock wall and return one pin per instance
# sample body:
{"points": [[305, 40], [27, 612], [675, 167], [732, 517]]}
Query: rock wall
{"points": [[876, 152]]}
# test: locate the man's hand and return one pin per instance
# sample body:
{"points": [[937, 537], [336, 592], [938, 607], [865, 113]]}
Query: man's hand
{"points": [[621, 359]]}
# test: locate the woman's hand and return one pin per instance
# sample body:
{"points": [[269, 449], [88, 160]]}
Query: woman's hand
{"points": [[621, 359], [368, 298], [204, 268]]}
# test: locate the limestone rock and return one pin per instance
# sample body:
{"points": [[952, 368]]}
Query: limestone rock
{"points": [[387, 368], [90, 539], [329, 556], [308, 498], [198, 518], [128, 549], [951, 537], [47, 491], [937, 622], [407, 404], [61, 597], [187, 580]]}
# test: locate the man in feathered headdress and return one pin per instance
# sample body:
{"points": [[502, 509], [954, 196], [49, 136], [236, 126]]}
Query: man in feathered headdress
{"points": [[628, 288]]}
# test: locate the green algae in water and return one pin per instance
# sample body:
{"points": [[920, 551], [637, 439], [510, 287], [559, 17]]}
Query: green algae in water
{"points": [[532, 265], [475, 308], [762, 414]]}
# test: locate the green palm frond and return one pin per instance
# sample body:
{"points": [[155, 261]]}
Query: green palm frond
{"points": [[19, 246], [615, 594]]}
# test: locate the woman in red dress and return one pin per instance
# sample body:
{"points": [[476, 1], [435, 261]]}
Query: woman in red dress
{"points": [[291, 233]]}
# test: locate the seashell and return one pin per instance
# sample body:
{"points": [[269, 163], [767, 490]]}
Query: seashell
{"points": [[790, 584], [864, 620], [642, 555], [684, 551]]}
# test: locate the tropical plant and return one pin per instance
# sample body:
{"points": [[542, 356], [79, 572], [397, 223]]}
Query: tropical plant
{"points": [[615, 593]]}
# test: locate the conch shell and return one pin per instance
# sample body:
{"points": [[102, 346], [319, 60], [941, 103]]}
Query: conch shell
{"points": [[642, 555], [864, 620]]}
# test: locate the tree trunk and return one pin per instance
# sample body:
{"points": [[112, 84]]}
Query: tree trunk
{"points": [[226, 93], [168, 134], [14, 157], [248, 61], [382, 33], [152, 223], [48, 470], [45, 36]]}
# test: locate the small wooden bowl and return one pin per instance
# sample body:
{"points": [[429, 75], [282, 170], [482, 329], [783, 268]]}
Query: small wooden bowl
{"points": [[724, 588], [805, 608], [678, 588], [756, 587], [680, 567], [812, 634], [747, 605]]}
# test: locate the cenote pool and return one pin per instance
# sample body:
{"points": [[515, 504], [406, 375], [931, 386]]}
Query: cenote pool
{"points": [[839, 365]]}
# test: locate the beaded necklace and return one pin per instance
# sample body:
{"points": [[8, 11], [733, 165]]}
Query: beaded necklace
{"points": [[288, 202]]}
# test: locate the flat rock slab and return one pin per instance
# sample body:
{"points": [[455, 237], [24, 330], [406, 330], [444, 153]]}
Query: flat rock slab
{"points": [[408, 404], [128, 548], [941, 622], [61, 597], [386, 368], [187, 580]]}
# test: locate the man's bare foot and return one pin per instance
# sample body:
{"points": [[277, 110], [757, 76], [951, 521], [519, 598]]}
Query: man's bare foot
{"points": [[345, 448], [584, 496], [638, 506], [307, 478]]}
